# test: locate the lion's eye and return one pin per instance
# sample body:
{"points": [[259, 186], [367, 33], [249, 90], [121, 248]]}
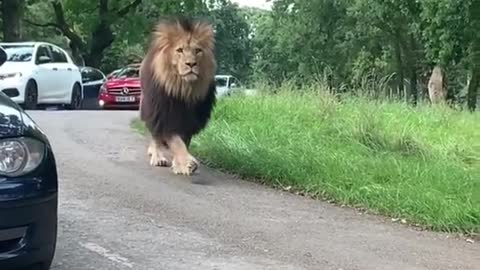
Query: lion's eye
{"points": [[180, 50], [198, 50]]}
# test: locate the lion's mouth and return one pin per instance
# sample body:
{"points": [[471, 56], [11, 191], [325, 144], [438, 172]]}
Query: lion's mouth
{"points": [[190, 76]]}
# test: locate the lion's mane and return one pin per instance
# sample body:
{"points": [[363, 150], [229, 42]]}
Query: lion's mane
{"points": [[170, 105]]}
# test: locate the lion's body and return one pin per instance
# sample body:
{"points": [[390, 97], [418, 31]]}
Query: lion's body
{"points": [[166, 115], [178, 89]]}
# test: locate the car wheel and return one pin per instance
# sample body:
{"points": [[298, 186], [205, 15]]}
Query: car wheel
{"points": [[31, 96], [76, 99], [44, 266]]}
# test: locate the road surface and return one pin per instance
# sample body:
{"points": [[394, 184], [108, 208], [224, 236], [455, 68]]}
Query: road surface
{"points": [[118, 213]]}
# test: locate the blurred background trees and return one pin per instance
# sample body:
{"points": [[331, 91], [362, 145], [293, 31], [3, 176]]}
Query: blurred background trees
{"points": [[384, 48]]}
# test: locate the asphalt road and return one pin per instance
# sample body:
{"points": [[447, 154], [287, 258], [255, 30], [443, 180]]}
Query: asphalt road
{"points": [[117, 212]]}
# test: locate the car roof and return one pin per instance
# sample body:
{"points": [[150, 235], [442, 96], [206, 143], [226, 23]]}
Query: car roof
{"points": [[28, 43]]}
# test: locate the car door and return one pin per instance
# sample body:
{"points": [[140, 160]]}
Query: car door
{"points": [[64, 75], [221, 85], [92, 80], [45, 74]]}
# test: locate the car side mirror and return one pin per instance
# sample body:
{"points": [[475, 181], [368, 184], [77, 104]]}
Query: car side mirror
{"points": [[11, 92], [233, 85], [3, 56], [44, 59]]}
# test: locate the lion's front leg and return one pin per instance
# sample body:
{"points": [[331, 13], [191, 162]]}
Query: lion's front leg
{"points": [[159, 155], [183, 162]]}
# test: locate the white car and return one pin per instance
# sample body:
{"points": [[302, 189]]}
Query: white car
{"points": [[40, 73], [228, 84]]}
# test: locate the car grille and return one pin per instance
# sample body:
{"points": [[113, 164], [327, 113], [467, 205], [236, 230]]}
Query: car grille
{"points": [[121, 91], [11, 239]]}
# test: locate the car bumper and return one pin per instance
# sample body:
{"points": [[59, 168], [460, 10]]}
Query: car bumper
{"points": [[28, 217], [107, 101], [28, 234], [14, 84]]}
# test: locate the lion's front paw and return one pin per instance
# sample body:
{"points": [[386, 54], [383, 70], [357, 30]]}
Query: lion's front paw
{"points": [[185, 166], [157, 158]]}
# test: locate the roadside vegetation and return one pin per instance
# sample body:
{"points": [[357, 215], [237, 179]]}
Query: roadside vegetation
{"points": [[421, 164]]}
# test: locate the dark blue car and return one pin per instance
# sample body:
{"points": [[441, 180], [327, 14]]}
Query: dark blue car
{"points": [[28, 190]]}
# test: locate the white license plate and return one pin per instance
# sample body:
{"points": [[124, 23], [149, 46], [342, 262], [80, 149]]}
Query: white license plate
{"points": [[125, 99]]}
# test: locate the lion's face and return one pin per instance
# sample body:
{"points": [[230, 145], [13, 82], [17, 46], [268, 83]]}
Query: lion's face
{"points": [[187, 59], [182, 57]]}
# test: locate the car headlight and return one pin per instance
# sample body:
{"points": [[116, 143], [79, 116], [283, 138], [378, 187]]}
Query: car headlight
{"points": [[10, 75], [19, 156]]}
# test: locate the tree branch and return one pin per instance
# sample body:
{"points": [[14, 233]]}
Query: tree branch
{"points": [[50, 24], [125, 10], [65, 27]]}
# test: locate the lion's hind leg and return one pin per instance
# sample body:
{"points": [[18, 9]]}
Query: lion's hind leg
{"points": [[183, 162], [159, 154]]}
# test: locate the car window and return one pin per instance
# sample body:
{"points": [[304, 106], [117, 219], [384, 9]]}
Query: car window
{"points": [[91, 75], [97, 75], [232, 81], [128, 73], [221, 82], [58, 55], [42, 51], [18, 53]]}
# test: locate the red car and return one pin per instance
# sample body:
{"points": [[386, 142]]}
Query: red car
{"points": [[122, 90]]}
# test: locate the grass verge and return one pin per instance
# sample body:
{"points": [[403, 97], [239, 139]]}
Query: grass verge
{"points": [[421, 164]]}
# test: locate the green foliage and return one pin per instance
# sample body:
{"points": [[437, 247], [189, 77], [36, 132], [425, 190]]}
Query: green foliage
{"points": [[348, 43], [131, 32]]}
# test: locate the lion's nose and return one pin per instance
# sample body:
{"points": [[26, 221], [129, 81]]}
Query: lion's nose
{"points": [[191, 64]]}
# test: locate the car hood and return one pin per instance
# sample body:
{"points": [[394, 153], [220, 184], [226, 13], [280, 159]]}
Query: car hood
{"points": [[127, 82], [11, 118], [9, 67]]}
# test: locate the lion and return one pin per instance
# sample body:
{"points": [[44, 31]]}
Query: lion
{"points": [[177, 78]]}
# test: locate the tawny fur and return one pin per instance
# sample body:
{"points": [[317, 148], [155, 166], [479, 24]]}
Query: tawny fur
{"points": [[436, 91]]}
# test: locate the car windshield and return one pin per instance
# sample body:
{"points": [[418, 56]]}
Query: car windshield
{"points": [[221, 82], [18, 53], [128, 73]]}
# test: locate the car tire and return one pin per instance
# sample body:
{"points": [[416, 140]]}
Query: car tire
{"points": [[76, 99], [46, 265], [31, 96]]}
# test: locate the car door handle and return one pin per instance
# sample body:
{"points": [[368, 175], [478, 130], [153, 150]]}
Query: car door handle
{"points": [[55, 68], [69, 69]]}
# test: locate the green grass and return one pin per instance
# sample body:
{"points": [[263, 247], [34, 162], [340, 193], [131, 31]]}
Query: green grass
{"points": [[421, 164]]}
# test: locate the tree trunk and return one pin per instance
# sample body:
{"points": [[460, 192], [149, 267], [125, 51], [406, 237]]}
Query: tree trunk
{"points": [[12, 13], [411, 61], [102, 38], [474, 82], [399, 62], [473, 89]]}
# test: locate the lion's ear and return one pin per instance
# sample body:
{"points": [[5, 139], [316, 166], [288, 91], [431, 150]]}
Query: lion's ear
{"points": [[205, 34]]}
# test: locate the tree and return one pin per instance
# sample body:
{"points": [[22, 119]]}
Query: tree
{"points": [[12, 15], [91, 47], [234, 50], [474, 16]]}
